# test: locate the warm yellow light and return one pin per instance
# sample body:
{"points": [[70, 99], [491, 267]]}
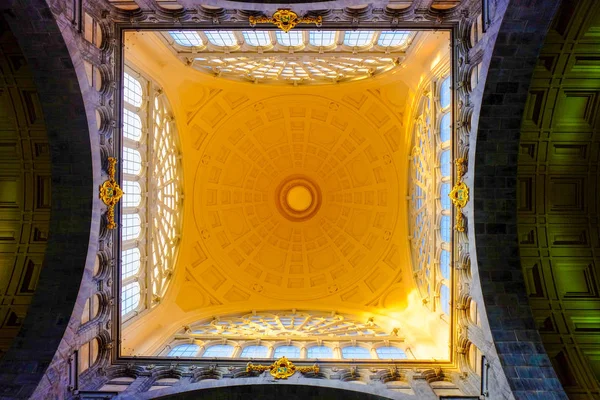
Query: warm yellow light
{"points": [[299, 198]]}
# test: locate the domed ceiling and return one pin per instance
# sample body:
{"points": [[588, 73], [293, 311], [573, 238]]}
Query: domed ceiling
{"points": [[294, 197]]}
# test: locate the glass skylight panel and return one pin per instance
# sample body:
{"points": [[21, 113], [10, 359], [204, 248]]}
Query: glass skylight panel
{"points": [[184, 350], [131, 226], [445, 93], [393, 38], [132, 161], [445, 228], [219, 350], [292, 38], [321, 38], [445, 264], [445, 128], [255, 352], [445, 164], [390, 353], [358, 38], [257, 38], [287, 351], [132, 194], [186, 38], [221, 38], [319, 352], [130, 297], [132, 90], [445, 299], [444, 196], [355, 352], [132, 125], [130, 262]]}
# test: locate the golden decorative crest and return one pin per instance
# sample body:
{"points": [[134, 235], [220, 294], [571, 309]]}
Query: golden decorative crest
{"points": [[285, 20], [281, 369], [460, 193], [111, 193]]}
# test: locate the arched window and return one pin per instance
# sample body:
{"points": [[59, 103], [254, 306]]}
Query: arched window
{"points": [[445, 127], [186, 38], [150, 159], [445, 228], [287, 351], [444, 196], [321, 38], [221, 38], [255, 352], [132, 90], [393, 38], [130, 297], [445, 264], [87, 355], [184, 350], [219, 350], [319, 352], [358, 38], [132, 125], [355, 352], [390, 353], [445, 163], [132, 161], [257, 38], [292, 38], [130, 263]]}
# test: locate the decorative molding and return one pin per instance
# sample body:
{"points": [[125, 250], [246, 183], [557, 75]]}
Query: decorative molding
{"points": [[282, 368], [460, 194], [285, 20], [111, 193]]}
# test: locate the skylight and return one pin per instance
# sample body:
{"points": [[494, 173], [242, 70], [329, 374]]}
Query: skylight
{"points": [[221, 38], [393, 38], [257, 38], [291, 39], [186, 38], [358, 38]]}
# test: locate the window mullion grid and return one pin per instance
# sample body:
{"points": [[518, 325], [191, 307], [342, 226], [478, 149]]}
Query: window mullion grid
{"points": [[150, 190]]}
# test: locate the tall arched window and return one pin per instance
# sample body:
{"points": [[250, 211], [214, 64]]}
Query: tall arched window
{"points": [[255, 352], [430, 206], [287, 351], [150, 225], [184, 350]]}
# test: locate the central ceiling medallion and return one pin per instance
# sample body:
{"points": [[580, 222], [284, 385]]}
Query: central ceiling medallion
{"points": [[298, 198]]}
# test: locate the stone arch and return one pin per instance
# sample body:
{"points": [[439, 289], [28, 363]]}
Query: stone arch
{"points": [[56, 307], [497, 120]]}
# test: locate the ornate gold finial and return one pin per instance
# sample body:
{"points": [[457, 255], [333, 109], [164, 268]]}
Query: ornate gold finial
{"points": [[111, 193], [460, 194], [285, 20], [281, 369]]}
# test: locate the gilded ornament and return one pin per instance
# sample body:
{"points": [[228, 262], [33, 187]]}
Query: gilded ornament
{"points": [[111, 193], [460, 193], [285, 20], [282, 368]]}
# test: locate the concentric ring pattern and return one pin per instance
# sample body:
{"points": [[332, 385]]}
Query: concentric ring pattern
{"points": [[310, 139]]}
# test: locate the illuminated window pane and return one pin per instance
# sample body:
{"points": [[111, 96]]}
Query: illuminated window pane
{"points": [[444, 196], [219, 350], [319, 352], [255, 352], [355, 352], [445, 164], [131, 226], [358, 38], [186, 38], [445, 93], [321, 38], [132, 125], [130, 262], [390, 353], [292, 38], [393, 38], [184, 350], [287, 351], [132, 90], [132, 161], [445, 264], [257, 38], [445, 299], [132, 194], [445, 128], [221, 38], [445, 228], [130, 297]]}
